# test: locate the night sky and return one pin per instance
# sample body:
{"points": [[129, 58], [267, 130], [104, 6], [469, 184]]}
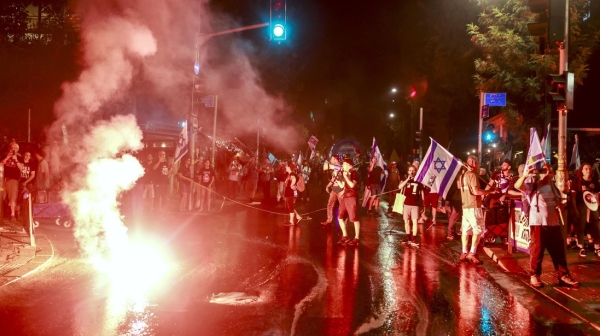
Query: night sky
{"points": [[340, 62]]}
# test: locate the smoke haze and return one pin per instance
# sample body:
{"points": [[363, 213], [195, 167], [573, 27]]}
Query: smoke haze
{"points": [[152, 43]]}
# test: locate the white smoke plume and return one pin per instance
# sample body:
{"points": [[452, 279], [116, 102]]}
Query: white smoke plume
{"points": [[152, 43]]}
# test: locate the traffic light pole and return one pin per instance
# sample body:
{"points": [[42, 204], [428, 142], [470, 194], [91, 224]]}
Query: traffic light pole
{"points": [[421, 130], [479, 138], [561, 174]]}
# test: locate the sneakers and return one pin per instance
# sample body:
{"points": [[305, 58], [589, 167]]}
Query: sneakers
{"points": [[567, 280], [463, 257], [353, 242], [472, 258], [413, 242], [582, 253], [535, 281], [343, 241], [288, 224], [407, 239]]}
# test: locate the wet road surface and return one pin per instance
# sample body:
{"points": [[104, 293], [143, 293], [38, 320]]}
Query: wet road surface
{"points": [[241, 272]]}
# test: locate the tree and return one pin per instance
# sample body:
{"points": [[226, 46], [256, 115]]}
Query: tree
{"points": [[510, 62]]}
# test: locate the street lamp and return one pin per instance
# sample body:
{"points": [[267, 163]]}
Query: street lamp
{"points": [[391, 115], [394, 90]]}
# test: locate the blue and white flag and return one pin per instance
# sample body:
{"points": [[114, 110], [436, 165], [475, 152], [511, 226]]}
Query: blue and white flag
{"points": [[375, 153], [575, 158], [272, 158], [438, 170], [535, 153], [181, 147], [546, 144]]}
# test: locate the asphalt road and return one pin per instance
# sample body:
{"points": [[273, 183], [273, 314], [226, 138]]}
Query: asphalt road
{"points": [[242, 272]]}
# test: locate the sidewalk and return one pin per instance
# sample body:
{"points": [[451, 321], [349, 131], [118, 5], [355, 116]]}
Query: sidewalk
{"points": [[583, 302], [17, 257]]}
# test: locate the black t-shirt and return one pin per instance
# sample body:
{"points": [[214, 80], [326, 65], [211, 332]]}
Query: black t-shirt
{"points": [[289, 192], [161, 174], [205, 175], [412, 191], [374, 176], [11, 170], [579, 185], [350, 192], [148, 173], [26, 171]]}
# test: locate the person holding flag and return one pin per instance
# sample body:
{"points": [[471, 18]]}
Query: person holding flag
{"points": [[473, 221]]}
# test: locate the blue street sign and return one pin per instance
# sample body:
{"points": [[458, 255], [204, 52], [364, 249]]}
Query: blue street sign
{"points": [[495, 99], [485, 111], [197, 67]]}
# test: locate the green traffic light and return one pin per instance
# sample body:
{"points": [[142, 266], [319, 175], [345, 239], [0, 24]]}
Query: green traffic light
{"points": [[278, 30]]}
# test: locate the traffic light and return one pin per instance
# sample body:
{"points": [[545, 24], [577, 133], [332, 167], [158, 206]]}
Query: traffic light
{"points": [[278, 24], [488, 135], [549, 25], [413, 92], [418, 136], [561, 89]]}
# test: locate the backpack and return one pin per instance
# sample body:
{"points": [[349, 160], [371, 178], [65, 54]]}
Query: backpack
{"points": [[300, 183]]}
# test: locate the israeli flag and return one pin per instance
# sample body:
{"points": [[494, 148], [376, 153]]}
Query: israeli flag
{"points": [[181, 147], [535, 154], [380, 163], [438, 170], [575, 158]]}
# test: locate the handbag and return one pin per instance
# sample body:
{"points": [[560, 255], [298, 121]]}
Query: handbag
{"points": [[399, 203]]}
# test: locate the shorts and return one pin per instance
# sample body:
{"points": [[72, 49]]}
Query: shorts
{"points": [[348, 207], [148, 191], [411, 212], [473, 221], [161, 190], [289, 203], [375, 190], [431, 200], [12, 189]]}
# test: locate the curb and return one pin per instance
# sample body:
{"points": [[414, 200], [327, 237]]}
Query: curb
{"points": [[566, 302], [36, 258]]}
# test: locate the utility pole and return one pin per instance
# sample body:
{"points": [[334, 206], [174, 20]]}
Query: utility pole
{"points": [[421, 130]]}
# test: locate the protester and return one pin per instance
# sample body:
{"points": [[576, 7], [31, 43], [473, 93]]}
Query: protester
{"points": [[233, 170], [291, 193], [12, 175], [585, 180], [333, 189], [251, 179], [544, 227], [374, 175], [502, 181], [206, 177], [43, 172], [473, 222], [147, 183], [413, 191], [391, 185], [306, 173], [184, 174], [281, 176], [453, 208], [348, 203], [265, 174], [162, 170]]}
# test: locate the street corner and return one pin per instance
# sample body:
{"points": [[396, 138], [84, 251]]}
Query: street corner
{"points": [[22, 259]]}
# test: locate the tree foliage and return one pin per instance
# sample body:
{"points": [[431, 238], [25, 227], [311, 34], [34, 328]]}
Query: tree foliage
{"points": [[511, 63]]}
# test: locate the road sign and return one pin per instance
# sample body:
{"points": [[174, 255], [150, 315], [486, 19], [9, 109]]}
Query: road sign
{"points": [[485, 111], [197, 67], [195, 125], [495, 99]]}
